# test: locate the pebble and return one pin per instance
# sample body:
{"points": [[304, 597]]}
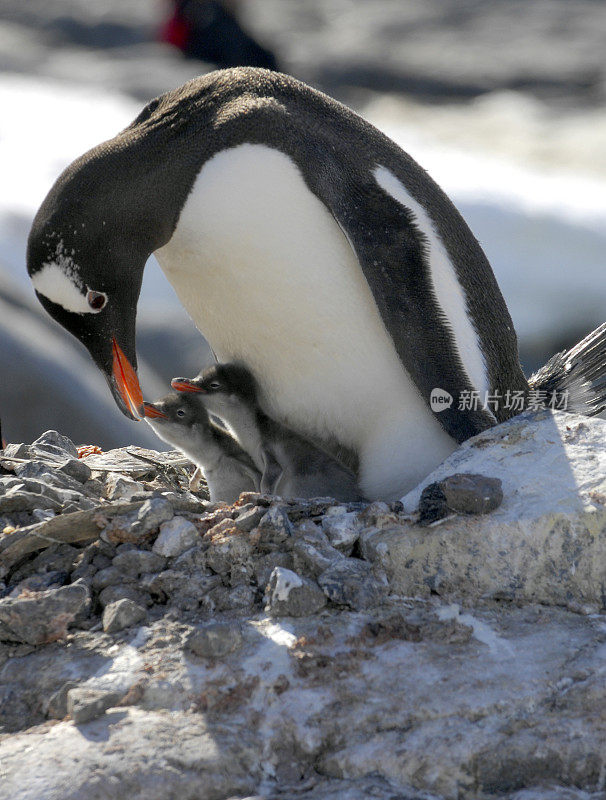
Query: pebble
{"points": [[120, 487], [85, 704], [224, 599], [472, 494], [432, 505], [181, 589], [176, 536], [249, 519], [290, 595], [351, 582], [312, 551], [136, 562], [275, 527], [215, 640], [461, 493], [341, 528], [122, 591], [151, 515], [264, 566], [227, 551], [110, 576], [122, 614]]}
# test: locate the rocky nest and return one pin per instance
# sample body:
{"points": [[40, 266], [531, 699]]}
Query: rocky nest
{"points": [[153, 645]]}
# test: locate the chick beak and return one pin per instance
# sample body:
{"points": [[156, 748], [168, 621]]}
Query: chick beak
{"points": [[151, 411], [185, 385]]}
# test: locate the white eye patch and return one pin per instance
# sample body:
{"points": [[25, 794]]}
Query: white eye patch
{"points": [[64, 290]]}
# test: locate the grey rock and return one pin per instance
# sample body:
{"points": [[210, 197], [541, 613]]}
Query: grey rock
{"points": [[42, 514], [136, 527], [222, 598], [275, 527], [42, 617], [48, 474], [472, 494], [342, 529], [432, 504], [110, 576], [288, 594], [85, 704], [176, 536], [121, 487], [57, 558], [77, 469], [215, 640], [191, 560], [249, 519], [56, 707], [17, 499], [151, 515], [102, 561], [136, 562], [17, 450], [121, 591], [228, 551], [351, 582], [7, 482], [122, 614], [265, 565], [312, 551], [40, 582], [55, 443], [180, 589]]}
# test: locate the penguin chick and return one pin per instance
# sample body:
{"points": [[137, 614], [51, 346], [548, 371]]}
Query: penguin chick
{"points": [[290, 465], [182, 421]]}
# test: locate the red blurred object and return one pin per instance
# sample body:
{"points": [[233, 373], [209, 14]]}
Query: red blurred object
{"points": [[175, 31]]}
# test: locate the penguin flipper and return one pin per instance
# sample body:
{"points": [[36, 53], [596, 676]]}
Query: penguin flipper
{"points": [[392, 254]]}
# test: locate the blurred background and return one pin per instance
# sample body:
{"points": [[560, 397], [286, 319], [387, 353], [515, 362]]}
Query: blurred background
{"points": [[502, 101]]}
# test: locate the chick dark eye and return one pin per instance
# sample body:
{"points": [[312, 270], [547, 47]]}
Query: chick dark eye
{"points": [[180, 412], [215, 385], [96, 300]]}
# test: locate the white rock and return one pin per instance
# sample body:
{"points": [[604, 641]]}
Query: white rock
{"points": [[175, 537], [342, 529], [547, 541], [119, 487]]}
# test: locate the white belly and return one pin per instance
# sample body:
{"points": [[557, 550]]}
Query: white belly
{"points": [[269, 278]]}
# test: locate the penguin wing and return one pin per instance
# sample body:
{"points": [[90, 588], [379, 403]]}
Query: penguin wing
{"points": [[393, 252]]}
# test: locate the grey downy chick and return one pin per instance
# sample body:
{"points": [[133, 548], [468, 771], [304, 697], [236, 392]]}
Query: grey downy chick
{"points": [[182, 421], [290, 464]]}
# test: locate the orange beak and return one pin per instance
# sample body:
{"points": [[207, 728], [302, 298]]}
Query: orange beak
{"points": [[127, 382], [151, 412], [185, 385]]}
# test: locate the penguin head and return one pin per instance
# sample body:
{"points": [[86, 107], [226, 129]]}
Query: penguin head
{"points": [[86, 253], [221, 385], [176, 418]]}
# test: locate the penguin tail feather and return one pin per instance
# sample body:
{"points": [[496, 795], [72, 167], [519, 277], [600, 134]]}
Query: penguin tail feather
{"points": [[577, 376]]}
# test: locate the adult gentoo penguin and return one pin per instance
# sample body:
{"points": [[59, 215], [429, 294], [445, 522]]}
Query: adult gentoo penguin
{"points": [[304, 244]]}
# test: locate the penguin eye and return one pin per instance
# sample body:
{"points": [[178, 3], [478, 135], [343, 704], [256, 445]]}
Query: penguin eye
{"points": [[214, 385], [180, 412], [96, 300]]}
